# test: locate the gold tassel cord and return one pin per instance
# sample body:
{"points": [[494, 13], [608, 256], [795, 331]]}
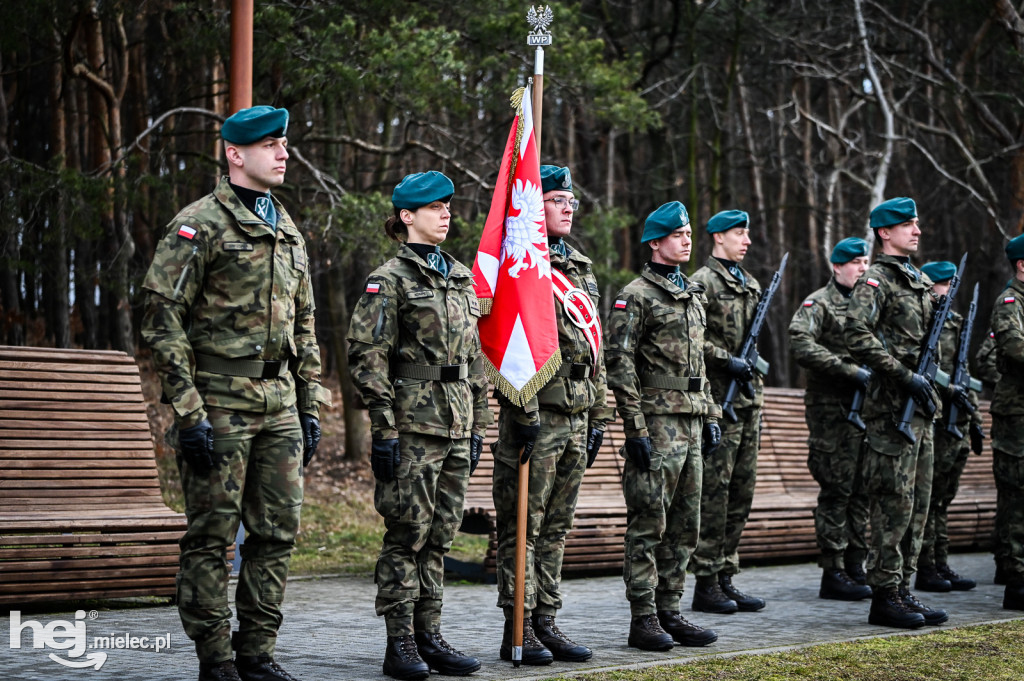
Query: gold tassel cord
{"points": [[520, 397]]}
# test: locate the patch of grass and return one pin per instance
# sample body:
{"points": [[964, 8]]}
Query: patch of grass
{"points": [[990, 652], [340, 535]]}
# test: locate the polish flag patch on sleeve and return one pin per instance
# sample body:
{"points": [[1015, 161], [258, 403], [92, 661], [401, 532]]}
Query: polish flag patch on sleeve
{"points": [[620, 304], [186, 231], [808, 303], [872, 282], [1009, 299], [373, 287]]}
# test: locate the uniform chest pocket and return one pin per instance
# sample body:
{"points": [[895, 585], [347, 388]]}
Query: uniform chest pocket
{"points": [[299, 258]]}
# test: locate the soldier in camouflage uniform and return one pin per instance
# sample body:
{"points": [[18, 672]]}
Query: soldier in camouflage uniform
{"points": [[564, 424], [414, 355], [834, 444], [933, 570], [1008, 427], [889, 314], [656, 368], [731, 471], [229, 316]]}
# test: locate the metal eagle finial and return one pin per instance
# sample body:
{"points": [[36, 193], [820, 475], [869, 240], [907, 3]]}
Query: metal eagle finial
{"points": [[539, 17]]}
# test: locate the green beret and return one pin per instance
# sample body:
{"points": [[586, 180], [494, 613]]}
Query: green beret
{"points": [[1015, 249], [249, 126], [726, 220], [665, 220], [848, 249], [939, 271], [553, 178], [419, 189], [893, 212]]}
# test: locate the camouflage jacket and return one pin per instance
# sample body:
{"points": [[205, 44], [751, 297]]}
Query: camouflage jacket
{"points": [[985, 368], [949, 341], [886, 323], [411, 314], [656, 332], [730, 309], [225, 284], [1008, 325], [819, 346], [563, 394]]}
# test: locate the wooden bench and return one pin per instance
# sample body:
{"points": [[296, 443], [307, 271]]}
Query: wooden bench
{"points": [[781, 523], [81, 514]]}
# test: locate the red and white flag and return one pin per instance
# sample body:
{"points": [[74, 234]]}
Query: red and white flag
{"points": [[512, 272]]}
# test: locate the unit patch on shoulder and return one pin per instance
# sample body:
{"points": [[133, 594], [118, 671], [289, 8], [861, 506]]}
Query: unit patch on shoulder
{"points": [[373, 287], [1009, 299], [808, 303], [872, 282], [620, 304], [186, 231]]}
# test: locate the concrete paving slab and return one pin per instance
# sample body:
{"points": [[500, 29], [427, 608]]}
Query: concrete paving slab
{"points": [[330, 630]]}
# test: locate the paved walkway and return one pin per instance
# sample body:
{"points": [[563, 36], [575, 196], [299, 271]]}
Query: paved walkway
{"points": [[330, 631]]}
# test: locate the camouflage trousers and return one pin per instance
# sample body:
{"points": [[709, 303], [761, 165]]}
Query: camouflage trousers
{"points": [[662, 514], [950, 459], [257, 479], [898, 482], [422, 511], [1008, 468], [556, 470], [834, 460], [727, 493]]}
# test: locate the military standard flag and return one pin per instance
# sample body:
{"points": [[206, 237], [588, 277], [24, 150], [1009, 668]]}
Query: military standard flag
{"points": [[512, 272]]}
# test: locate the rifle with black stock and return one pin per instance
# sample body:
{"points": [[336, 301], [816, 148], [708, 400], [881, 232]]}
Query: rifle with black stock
{"points": [[961, 370], [858, 403], [926, 364], [749, 350]]}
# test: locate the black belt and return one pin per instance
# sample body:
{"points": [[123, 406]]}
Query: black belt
{"points": [[573, 370], [446, 373], [245, 368], [689, 384]]}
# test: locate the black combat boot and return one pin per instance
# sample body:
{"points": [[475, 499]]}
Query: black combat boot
{"points": [[743, 601], [402, 659], [561, 646], [929, 579], [440, 655], [260, 668], [958, 581], [1013, 595], [888, 610], [534, 652], [931, 616], [218, 671], [836, 585], [855, 570], [708, 597], [1000, 576], [684, 632], [645, 633]]}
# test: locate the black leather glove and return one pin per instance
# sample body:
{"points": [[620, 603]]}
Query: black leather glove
{"points": [[196, 444], [921, 390], [594, 441], [310, 437], [962, 398], [525, 436], [384, 458], [862, 377], [977, 438], [739, 369], [638, 449], [711, 437], [476, 448]]}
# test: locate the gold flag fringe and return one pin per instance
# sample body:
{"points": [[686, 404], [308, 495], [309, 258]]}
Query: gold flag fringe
{"points": [[485, 306], [520, 397]]}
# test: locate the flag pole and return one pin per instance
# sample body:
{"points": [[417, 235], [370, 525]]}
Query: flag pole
{"points": [[539, 18]]}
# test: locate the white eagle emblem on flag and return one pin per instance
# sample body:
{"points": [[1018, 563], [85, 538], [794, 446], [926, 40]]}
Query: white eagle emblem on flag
{"points": [[524, 239]]}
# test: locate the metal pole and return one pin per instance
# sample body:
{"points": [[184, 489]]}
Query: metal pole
{"points": [[240, 78]]}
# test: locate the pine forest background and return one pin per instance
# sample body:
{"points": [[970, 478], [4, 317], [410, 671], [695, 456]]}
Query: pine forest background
{"points": [[803, 113]]}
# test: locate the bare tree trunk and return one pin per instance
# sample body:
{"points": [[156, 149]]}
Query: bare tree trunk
{"points": [[357, 435], [55, 287], [11, 325]]}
